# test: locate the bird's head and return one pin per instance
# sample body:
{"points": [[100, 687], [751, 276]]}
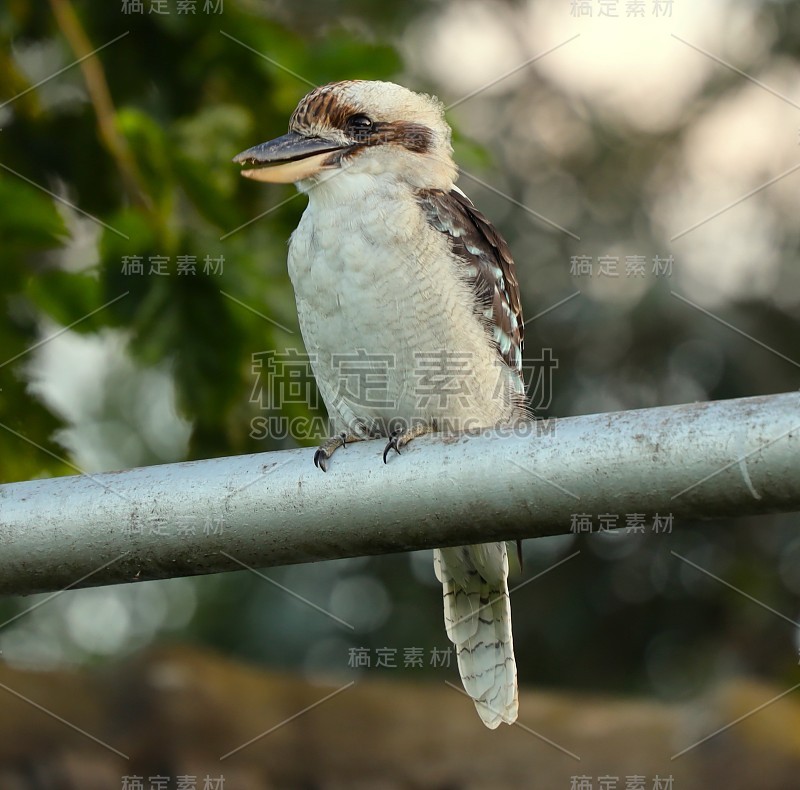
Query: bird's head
{"points": [[358, 127]]}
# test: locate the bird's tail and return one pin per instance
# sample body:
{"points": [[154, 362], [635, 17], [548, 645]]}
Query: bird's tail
{"points": [[477, 615]]}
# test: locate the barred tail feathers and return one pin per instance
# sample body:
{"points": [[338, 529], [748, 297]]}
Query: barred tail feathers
{"points": [[477, 616]]}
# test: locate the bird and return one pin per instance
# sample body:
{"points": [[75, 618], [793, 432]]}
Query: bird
{"points": [[409, 308]]}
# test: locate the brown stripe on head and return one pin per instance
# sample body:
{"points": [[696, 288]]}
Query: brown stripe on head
{"points": [[323, 106], [326, 108], [413, 136]]}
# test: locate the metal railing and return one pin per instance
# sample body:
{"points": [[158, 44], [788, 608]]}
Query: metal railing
{"points": [[701, 460]]}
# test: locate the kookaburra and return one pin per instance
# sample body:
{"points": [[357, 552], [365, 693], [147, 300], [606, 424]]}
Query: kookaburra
{"points": [[393, 268]]}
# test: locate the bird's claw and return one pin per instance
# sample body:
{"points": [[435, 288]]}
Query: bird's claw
{"points": [[326, 450], [392, 444], [321, 459], [402, 436]]}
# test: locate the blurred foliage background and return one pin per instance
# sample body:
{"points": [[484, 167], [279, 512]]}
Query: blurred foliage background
{"points": [[142, 278]]}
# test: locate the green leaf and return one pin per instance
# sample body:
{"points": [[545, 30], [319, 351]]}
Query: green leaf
{"points": [[29, 218], [151, 148], [68, 297]]}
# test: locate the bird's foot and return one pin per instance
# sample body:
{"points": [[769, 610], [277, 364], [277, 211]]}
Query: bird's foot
{"points": [[328, 448], [400, 437]]}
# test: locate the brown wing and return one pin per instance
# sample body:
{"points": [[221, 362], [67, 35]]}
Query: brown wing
{"points": [[488, 267]]}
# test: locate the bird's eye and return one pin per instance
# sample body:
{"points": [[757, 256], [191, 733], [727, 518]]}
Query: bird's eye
{"points": [[359, 123]]}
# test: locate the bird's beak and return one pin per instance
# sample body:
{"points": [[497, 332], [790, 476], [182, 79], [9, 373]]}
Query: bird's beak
{"points": [[287, 159]]}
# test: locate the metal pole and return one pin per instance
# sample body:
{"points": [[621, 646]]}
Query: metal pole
{"points": [[702, 460]]}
